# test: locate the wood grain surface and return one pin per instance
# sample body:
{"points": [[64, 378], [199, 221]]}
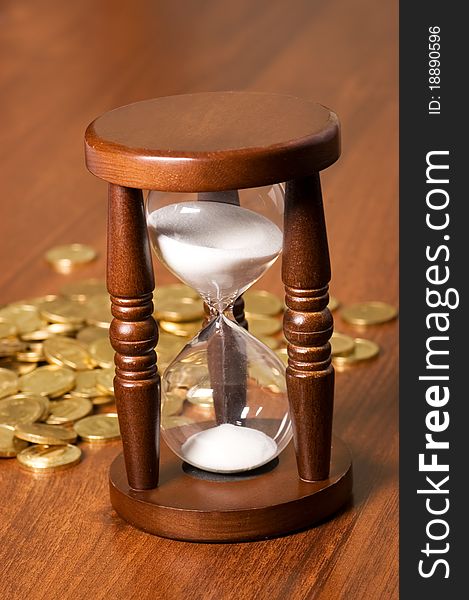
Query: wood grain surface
{"points": [[193, 508], [212, 141], [66, 63], [134, 334]]}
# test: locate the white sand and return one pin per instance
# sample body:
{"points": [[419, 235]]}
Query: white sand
{"points": [[229, 449], [219, 249]]}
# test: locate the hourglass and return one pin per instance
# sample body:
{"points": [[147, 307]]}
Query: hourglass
{"points": [[225, 469], [220, 245]]}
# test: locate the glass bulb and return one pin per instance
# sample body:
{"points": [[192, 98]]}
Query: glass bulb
{"points": [[224, 400], [219, 243]]}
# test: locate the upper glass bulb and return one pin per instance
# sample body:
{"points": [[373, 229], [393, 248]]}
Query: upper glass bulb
{"points": [[219, 243]]}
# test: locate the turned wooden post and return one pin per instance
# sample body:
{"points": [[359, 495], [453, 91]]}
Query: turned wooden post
{"points": [[134, 335], [238, 312], [308, 326]]}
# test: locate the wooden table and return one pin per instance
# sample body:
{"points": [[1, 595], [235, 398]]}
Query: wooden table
{"points": [[65, 63]]}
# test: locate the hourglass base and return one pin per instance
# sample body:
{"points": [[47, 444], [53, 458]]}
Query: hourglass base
{"points": [[186, 508]]}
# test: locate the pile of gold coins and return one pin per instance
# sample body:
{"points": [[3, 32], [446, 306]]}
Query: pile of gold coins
{"points": [[348, 351], [56, 370], [57, 364]]}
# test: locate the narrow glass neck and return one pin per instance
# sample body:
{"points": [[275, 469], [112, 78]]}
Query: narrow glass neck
{"points": [[218, 306], [216, 311]]}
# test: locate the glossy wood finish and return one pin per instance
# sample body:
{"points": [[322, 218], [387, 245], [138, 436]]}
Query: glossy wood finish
{"points": [[238, 312], [198, 142], [275, 503], [65, 63], [308, 326], [134, 334], [212, 141]]}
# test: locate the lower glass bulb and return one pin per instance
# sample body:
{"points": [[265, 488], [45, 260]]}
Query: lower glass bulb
{"points": [[224, 401]]}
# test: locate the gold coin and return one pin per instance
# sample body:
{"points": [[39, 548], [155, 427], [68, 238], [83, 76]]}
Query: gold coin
{"points": [[20, 368], [90, 333], [99, 400], [186, 375], [269, 341], [82, 290], [45, 403], [67, 352], [64, 258], [175, 290], [185, 329], [85, 384], [168, 308], [342, 344], [258, 302], [99, 311], [258, 374], [17, 400], [36, 347], [50, 380], [39, 433], [30, 356], [260, 326], [9, 444], [333, 303], [24, 317], [282, 353], [176, 421], [8, 383], [35, 301], [169, 342], [105, 381], [98, 428], [39, 335], [363, 350], [69, 410], [369, 313], [164, 358], [43, 459], [102, 352], [62, 328], [7, 329], [63, 310], [20, 408], [168, 348], [10, 346]]}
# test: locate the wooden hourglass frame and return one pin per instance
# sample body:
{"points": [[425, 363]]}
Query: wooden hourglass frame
{"points": [[212, 142]]}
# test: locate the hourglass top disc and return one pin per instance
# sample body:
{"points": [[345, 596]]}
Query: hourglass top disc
{"points": [[212, 141]]}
